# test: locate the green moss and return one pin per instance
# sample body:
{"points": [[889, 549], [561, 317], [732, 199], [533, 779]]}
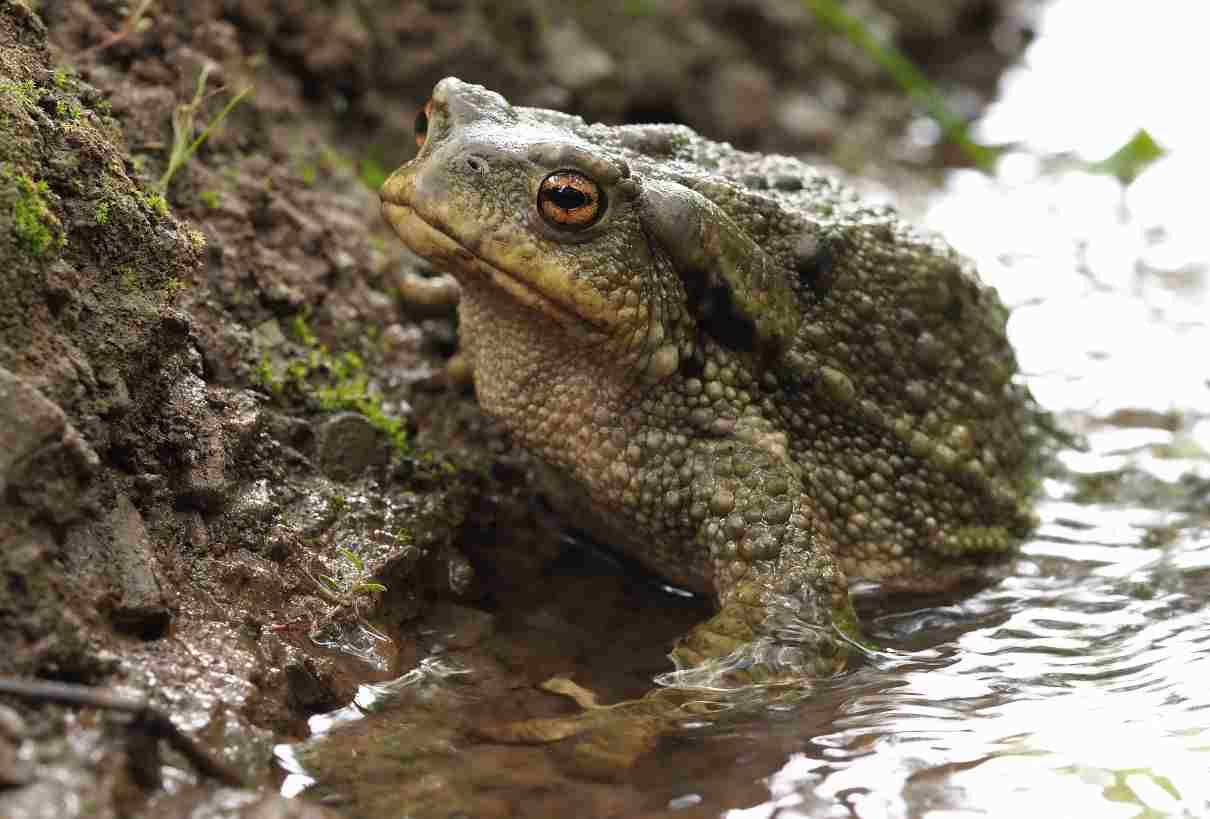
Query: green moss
{"points": [[128, 277], [302, 332], [209, 198], [67, 109], [24, 91], [333, 382], [265, 377], [196, 238], [38, 229], [100, 214], [157, 203]]}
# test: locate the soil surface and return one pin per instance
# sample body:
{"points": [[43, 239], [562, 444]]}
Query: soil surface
{"points": [[236, 477]]}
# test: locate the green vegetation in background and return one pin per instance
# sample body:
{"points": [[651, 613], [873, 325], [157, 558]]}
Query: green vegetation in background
{"points": [[334, 382], [371, 172], [350, 585], [907, 77], [347, 589], [184, 143], [1125, 164]]}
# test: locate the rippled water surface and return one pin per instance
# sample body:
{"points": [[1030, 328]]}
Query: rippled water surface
{"points": [[1079, 685]]}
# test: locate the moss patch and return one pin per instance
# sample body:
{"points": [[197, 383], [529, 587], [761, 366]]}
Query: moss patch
{"points": [[331, 382], [37, 228]]}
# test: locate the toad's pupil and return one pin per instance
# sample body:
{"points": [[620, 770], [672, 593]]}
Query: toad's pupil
{"points": [[566, 197]]}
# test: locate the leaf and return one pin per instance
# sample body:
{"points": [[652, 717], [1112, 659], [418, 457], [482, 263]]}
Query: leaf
{"points": [[353, 559], [1130, 160]]}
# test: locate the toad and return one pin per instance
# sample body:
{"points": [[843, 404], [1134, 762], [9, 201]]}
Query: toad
{"points": [[734, 370]]}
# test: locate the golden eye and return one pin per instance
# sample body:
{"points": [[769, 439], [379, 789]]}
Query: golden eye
{"points": [[570, 200], [421, 126]]}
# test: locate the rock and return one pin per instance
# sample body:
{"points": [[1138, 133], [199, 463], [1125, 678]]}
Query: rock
{"points": [[204, 483], [808, 119], [591, 64], [43, 459], [28, 422], [459, 627], [348, 445], [310, 683], [117, 551], [742, 97], [13, 769], [12, 726]]}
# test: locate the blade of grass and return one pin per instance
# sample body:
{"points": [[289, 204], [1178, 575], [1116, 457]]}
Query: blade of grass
{"points": [[906, 76], [183, 123]]}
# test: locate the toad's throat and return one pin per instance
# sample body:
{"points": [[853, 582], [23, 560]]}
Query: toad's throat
{"points": [[432, 243]]}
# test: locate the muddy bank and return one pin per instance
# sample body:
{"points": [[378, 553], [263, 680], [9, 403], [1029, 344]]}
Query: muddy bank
{"points": [[232, 474]]}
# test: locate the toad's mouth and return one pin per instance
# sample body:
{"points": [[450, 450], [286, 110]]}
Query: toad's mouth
{"points": [[432, 243]]}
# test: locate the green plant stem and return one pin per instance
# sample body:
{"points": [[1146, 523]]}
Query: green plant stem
{"points": [[905, 75], [182, 127]]}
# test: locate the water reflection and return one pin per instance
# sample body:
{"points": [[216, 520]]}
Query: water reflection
{"points": [[1090, 686]]}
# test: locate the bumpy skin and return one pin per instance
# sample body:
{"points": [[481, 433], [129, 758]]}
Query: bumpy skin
{"points": [[739, 374]]}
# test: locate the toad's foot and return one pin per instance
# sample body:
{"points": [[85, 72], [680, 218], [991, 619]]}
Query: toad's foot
{"points": [[603, 741]]}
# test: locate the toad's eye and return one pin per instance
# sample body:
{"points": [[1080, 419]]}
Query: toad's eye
{"points": [[421, 125], [570, 200]]}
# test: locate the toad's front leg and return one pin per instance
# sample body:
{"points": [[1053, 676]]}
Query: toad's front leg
{"points": [[784, 612], [784, 608]]}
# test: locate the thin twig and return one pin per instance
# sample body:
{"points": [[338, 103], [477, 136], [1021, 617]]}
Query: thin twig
{"points": [[147, 719], [128, 28]]}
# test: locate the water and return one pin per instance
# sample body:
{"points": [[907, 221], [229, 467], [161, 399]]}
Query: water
{"points": [[1078, 685]]}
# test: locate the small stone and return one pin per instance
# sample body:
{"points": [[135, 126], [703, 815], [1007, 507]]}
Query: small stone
{"points": [[12, 725], [349, 445], [28, 421], [14, 771], [786, 182]]}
